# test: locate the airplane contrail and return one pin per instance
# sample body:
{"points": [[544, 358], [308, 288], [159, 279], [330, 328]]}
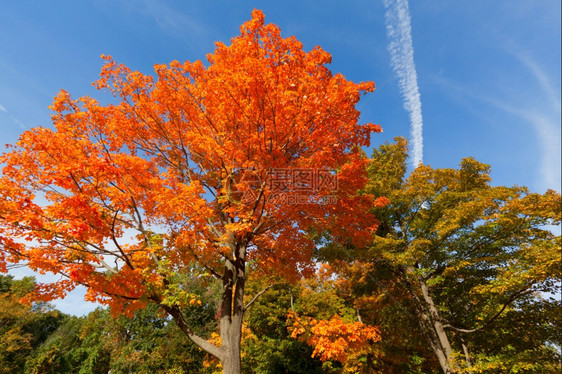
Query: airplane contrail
{"points": [[399, 32]]}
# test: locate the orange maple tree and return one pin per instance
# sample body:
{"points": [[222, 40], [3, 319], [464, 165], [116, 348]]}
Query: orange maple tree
{"points": [[333, 339], [173, 179]]}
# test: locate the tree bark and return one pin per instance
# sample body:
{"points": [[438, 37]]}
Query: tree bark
{"points": [[432, 338], [437, 324], [232, 311], [431, 325], [231, 314], [466, 355]]}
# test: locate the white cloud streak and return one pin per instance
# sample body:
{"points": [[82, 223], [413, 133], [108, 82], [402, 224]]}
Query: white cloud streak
{"points": [[546, 122], [547, 130], [16, 121], [543, 117], [399, 32], [171, 21], [19, 123], [550, 93]]}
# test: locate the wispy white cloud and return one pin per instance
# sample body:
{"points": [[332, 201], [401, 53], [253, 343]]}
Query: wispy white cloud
{"points": [[544, 118], [542, 114], [19, 123], [548, 133], [172, 21], [399, 32], [549, 92], [547, 129], [16, 121]]}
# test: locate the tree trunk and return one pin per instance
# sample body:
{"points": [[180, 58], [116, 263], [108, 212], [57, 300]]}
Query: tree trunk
{"points": [[437, 326], [466, 355], [232, 311], [432, 338], [231, 314], [431, 325]]}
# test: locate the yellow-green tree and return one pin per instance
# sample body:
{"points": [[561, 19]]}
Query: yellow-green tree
{"points": [[473, 265], [23, 327]]}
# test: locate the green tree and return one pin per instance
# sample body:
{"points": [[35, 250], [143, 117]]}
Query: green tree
{"points": [[471, 266], [268, 347], [23, 327], [305, 328], [146, 342], [64, 351]]}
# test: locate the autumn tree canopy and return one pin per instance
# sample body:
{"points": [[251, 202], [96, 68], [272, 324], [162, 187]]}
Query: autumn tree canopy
{"points": [[173, 179], [466, 267]]}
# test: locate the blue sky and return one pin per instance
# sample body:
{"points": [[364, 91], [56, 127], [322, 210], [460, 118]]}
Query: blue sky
{"points": [[488, 73]]}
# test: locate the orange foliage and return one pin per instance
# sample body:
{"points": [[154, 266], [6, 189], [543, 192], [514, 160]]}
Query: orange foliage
{"points": [[170, 155], [334, 339]]}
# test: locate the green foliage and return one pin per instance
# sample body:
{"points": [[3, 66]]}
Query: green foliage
{"points": [[269, 347], [485, 253], [22, 327], [146, 343], [67, 350]]}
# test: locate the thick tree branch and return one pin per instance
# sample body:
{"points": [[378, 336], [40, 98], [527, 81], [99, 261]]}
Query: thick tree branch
{"points": [[256, 297], [184, 326], [494, 317]]}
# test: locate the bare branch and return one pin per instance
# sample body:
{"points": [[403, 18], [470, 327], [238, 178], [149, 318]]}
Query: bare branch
{"points": [[114, 239], [496, 316], [184, 326], [257, 296]]}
